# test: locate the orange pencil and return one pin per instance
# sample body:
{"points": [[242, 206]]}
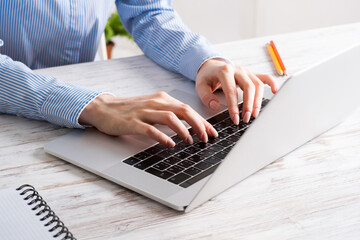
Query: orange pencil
{"points": [[278, 57], [274, 59]]}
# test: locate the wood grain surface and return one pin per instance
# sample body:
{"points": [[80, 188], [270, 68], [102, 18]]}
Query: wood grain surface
{"points": [[312, 193]]}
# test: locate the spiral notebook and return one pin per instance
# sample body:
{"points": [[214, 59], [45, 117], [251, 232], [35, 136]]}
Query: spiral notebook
{"points": [[25, 215]]}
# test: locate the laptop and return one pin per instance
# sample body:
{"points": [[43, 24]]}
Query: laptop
{"points": [[183, 177]]}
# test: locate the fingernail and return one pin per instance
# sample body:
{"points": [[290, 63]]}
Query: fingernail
{"points": [[236, 119], [190, 140], [256, 112], [214, 105], [204, 137], [214, 133], [170, 143], [247, 116]]}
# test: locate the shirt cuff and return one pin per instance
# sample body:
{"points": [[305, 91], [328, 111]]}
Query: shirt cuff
{"points": [[195, 56], [65, 103]]}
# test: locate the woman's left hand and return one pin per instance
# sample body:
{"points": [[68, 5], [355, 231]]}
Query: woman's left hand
{"points": [[216, 73]]}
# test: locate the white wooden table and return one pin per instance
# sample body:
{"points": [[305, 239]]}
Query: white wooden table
{"points": [[312, 193]]}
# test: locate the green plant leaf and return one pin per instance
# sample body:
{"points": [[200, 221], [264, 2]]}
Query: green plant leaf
{"points": [[114, 27]]}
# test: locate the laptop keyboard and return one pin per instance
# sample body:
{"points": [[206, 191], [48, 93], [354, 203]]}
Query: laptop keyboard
{"points": [[186, 164]]}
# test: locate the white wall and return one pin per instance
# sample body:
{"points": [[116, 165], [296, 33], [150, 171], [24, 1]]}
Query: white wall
{"points": [[218, 20], [229, 20]]}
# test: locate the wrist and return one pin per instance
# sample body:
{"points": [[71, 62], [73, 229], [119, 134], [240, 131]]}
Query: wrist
{"points": [[93, 110], [212, 60]]}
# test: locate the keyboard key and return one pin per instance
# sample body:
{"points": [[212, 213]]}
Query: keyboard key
{"points": [[206, 153], [185, 164], [196, 158], [142, 155], [172, 160], [264, 102], [213, 140], [175, 169], [148, 162], [233, 138], [215, 148], [198, 177], [175, 149], [225, 143], [176, 139], [165, 153], [229, 130], [192, 171], [161, 174], [203, 165], [212, 160], [161, 166], [240, 133], [222, 135], [182, 145], [153, 171], [182, 155], [242, 125], [221, 125], [131, 161], [221, 155], [195, 138], [219, 117], [153, 150], [192, 150], [191, 131], [179, 178], [234, 126], [229, 121], [228, 149], [202, 145], [161, 147]]}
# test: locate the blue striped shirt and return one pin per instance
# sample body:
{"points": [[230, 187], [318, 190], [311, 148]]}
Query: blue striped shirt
{"points": [[40, 33]]}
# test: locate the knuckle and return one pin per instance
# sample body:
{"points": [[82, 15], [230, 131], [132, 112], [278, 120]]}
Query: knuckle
{"points": [[149, 130], [154, 101], [133, 122], [170, 116], [185, 108], [241, 69], [161, 94], [259, 84], [249, 86], [226, 68]]}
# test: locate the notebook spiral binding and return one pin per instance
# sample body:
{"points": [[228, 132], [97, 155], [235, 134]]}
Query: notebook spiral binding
{"points": [[39, 204]]}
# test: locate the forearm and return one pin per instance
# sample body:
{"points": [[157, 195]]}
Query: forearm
{"points": [[31, 95], [162, 36]]}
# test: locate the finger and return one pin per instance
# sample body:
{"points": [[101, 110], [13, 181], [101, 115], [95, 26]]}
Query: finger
{"points": [[259, 92], [269, 80], [228, 85], [248, 87], [207, 97], [185, 112], [210, 130], [154, 133], [205, 92], [170, 119]]}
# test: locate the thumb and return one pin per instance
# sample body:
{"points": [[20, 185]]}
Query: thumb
{"points": [[207, 96]]}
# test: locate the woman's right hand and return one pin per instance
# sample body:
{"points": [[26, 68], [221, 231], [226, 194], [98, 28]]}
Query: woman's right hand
{"points": [[136, 116]]}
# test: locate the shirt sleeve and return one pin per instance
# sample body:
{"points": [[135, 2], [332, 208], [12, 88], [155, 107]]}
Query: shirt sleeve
{"points": [[25, 93], [159, 32]]}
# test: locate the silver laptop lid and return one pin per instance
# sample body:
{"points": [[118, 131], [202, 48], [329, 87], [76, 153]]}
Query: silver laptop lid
{"points": [[308, 104]]}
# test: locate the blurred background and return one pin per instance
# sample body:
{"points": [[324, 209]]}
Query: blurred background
{"points": [[231, 20]]}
